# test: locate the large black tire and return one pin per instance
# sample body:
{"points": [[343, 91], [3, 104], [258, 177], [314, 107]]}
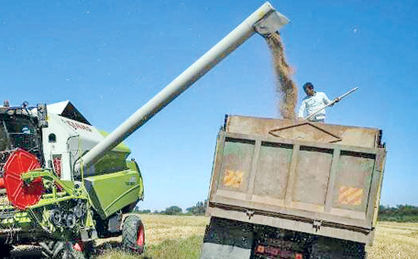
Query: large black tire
{"points": [[133, 234], [329, 248], [227, 239], [48, 248], [5, 250], [65, 250]]}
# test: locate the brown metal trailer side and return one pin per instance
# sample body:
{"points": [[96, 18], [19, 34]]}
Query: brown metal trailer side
{"points": [[308, 177]]}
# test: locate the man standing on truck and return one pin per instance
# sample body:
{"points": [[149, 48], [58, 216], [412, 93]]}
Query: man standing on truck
{"points": [[313, 102]]}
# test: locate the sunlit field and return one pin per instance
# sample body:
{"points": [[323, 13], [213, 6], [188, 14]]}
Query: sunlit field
{"points": [[166, 237], [395, 240], [181, 237]]}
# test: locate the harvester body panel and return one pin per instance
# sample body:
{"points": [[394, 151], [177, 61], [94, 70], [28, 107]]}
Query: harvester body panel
{"points": [[65, 140], [110, 192]]}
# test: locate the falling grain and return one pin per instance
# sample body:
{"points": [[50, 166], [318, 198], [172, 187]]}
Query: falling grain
{"points": [[286, 89]]}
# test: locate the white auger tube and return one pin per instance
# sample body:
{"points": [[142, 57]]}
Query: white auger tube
{"points": [[265, 20]]}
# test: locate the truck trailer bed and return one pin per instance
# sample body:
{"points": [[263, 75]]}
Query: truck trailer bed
{"points": [[314, 178]]}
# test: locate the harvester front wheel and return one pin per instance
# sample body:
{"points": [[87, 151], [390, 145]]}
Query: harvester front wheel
{"points": [[133, 234], [67, 250]]}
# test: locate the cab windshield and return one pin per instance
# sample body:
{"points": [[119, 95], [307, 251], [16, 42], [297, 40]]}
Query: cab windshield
{"points": [[18, 132], [4, 140]]}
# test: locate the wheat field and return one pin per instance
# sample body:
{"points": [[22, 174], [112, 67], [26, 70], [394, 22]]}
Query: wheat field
{"points": [[181, 237], [395, 240], [166, 237]]}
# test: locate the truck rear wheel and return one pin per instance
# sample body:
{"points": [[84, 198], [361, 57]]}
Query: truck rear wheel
{"points": [[325, 248], [133, 234], [5, 250], [227, 239]]}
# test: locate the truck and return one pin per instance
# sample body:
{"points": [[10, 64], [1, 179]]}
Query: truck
{"points": [[65, 183], [293, 189]]}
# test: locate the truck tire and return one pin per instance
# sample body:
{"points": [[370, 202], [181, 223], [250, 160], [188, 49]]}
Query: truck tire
{"points": [[133, 234], [328, 248], [227, 239], [5, 250]]}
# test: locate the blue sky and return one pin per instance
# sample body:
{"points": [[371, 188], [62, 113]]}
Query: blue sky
{"points": [[110, 57]]}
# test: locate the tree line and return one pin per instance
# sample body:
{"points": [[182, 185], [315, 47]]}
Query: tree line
{"points": [[197, 210], [399, 213]]}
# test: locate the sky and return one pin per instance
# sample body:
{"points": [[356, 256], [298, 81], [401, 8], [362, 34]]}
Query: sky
{"points": [[110, 57]]}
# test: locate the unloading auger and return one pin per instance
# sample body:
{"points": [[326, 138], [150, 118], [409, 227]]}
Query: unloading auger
{"points": [[265, 20]]}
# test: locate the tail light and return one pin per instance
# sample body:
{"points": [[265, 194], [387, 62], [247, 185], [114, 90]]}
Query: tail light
{"points": [[260, 249]]}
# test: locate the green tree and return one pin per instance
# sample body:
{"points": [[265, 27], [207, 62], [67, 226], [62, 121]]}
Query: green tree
{"points": [[400, 213], [173, 210], [144, 211], [199, 208]]}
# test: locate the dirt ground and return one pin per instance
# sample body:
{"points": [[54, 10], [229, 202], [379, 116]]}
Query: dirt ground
{"points": [[392, 240]]}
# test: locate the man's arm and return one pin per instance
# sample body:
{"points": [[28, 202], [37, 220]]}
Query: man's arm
{"points": [[325, 99], [302, 109]]}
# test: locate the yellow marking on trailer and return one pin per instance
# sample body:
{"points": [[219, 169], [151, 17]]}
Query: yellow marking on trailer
{"points": [[350, 195], [233, 178]]}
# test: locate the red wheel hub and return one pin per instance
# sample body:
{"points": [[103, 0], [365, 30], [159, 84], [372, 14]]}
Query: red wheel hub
{"points": [[22, 195], [141, 236], [79, 246]]}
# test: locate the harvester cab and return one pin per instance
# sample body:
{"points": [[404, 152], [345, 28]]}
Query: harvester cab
{"points": [[67, 181], [18, 129]]}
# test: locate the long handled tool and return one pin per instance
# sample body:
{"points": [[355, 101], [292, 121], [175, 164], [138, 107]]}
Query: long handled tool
{"points": [[331, 103]]}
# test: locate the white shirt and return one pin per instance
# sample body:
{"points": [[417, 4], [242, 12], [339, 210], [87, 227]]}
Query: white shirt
{"points": [[311, 104]]}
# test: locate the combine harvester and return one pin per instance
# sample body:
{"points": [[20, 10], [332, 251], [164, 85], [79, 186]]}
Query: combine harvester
{"points": [[64, 183]]}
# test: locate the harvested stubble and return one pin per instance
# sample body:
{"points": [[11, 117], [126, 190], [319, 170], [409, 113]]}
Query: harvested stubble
{"points": [[392, 240], [395, 240], [166, 237], [162, 227], [286, 89]]}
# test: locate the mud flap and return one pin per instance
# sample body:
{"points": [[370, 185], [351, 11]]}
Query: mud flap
{"points": [[227, 239]]}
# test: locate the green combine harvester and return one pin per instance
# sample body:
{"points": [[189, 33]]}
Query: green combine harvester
{"points": [[64, 183], [44, 199]]}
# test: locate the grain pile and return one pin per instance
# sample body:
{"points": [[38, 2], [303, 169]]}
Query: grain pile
{"points": [[286, 89]]}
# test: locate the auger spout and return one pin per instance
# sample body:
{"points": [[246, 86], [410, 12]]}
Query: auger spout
{"points": [[265, 20]]}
